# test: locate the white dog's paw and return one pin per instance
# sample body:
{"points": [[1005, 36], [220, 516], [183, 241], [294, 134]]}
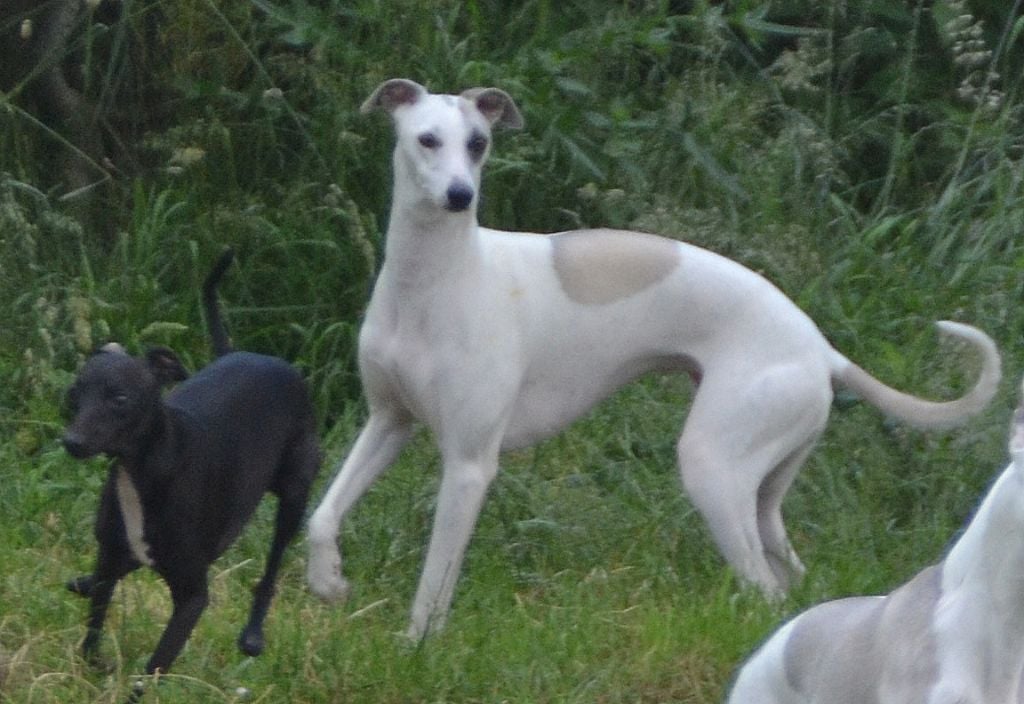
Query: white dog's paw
{"points": [[330, 587], [422, 625], [325, 580], [414, 634]]}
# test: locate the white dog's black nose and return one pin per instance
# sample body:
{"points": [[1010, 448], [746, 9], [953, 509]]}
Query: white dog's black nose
{"points": [[459, 196]]}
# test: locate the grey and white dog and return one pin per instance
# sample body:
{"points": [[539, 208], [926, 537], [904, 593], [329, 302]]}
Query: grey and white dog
{"points": [[954, 634]]}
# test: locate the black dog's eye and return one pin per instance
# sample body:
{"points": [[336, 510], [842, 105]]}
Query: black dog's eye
{"points": [[115, 397], [429, 140], [477, 145]]}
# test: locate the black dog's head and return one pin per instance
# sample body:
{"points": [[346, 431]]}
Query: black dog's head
{"points": [[115, 399]]}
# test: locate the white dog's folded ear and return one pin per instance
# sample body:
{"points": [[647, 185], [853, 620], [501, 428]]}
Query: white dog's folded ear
{"points": [[393, 93], [496, 105]]}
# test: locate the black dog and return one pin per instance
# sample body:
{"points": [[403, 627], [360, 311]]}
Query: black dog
{"points": [[189, 469]]}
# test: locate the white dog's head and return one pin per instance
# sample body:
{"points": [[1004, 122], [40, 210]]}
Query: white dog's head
{"points": [[442, 141]]}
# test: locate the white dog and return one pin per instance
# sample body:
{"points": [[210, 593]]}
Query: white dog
{"points": [[954, 634], [496, 340]]}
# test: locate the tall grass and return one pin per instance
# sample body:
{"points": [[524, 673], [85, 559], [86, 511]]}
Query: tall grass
{"points": [[847, 151]]}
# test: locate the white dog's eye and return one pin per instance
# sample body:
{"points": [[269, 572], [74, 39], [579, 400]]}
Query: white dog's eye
{"points": [[429, 141], [477, 145]]}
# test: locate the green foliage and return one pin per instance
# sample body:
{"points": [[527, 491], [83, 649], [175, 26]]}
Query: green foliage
{"points": [[866, 156]]}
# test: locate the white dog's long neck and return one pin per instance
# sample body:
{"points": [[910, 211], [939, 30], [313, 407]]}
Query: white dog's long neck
{"points": [[983, 583], [426, 244]]}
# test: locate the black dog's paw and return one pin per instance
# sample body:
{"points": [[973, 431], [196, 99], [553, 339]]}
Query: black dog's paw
{"points": [[81, 585], [100, 664], [135, 695], [251, 642]]}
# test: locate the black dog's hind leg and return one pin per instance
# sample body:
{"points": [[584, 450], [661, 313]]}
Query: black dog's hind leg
{"points": [[289, 519], [298, 471]]}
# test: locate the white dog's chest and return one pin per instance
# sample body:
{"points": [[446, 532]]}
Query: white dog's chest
{"points": [[418, 374]]}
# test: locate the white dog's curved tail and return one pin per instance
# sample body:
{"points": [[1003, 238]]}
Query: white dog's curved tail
{"points": [[919, 412]]}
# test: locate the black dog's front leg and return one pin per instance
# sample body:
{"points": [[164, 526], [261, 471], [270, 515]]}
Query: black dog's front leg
{"points": [[190, 598], [113, 561], [111, 565], [101, 590], [81, 585]]}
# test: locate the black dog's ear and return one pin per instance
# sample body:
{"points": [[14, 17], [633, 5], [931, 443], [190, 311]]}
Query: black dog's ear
{"points": [[165, 365]]}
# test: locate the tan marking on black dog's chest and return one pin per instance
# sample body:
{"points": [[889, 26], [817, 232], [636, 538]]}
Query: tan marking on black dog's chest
{"points": [[131, 512]]}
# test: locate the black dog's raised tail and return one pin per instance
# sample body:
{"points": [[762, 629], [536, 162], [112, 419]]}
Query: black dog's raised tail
{"points": [[218, 333]]}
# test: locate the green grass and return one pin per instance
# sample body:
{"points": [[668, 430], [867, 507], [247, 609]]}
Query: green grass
{"points": [[823, 146], [590, 577]]}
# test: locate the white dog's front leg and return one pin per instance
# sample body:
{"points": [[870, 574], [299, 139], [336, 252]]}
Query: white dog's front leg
{"points": [[376, 448], [464, 486]]}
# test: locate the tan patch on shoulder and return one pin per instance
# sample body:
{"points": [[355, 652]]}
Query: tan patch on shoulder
{"points": [[597, 267]]}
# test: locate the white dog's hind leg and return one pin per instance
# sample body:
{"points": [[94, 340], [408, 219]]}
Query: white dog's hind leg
{"points": [[782, 558], [464, 486], [376, 448], [728, 503], [741, 443]]}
